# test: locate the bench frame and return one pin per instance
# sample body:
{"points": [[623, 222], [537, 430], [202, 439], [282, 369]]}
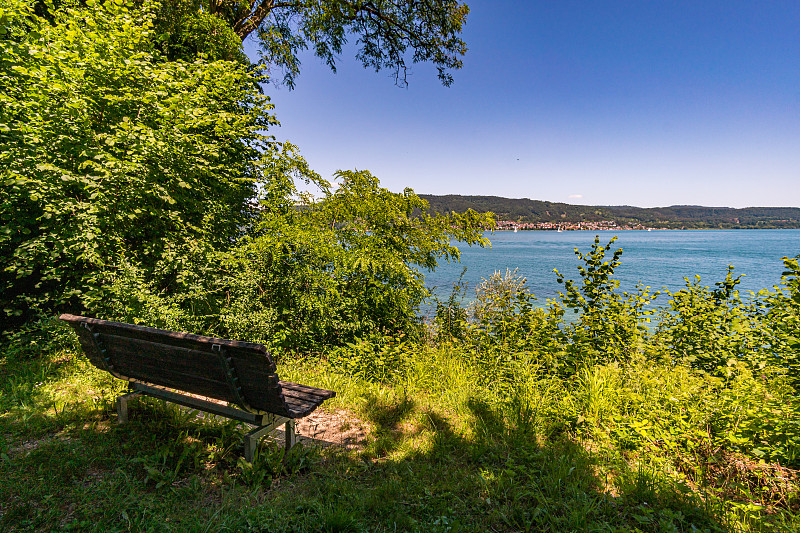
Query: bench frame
{"points": [[264, 423], [223, 377]]}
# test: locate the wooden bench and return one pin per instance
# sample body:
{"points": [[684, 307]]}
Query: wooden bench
{"points": [[237, 379]]}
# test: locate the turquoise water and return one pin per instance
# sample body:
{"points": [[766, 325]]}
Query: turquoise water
{"points": [[656, 258]]}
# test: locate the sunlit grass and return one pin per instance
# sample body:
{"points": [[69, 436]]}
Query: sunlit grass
{"points": [[443, 454]]}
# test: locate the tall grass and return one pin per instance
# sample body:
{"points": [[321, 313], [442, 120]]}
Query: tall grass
{"points": [[511, 420]]}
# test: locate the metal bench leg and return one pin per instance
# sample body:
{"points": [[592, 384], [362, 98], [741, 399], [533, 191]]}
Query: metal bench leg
{"points": [[291, 436], [122, 406], [251, 441]]}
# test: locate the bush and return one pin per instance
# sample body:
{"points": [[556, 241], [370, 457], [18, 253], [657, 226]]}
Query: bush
{"points": [[42, 335], [110, 153], [374, 359], [609, 326]]}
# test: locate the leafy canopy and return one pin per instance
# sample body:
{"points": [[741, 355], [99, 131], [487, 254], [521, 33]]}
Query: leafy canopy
{"points": [[388, 34], [307, 277], [107, 150], [139, 184]]}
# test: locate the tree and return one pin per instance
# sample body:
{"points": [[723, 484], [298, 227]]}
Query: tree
{"points": [[108, 152], [129, 180], [348, 265], [184, 30], [388, 33]]}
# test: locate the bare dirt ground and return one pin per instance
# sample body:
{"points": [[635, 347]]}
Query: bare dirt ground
{"points": [[333, 428]]}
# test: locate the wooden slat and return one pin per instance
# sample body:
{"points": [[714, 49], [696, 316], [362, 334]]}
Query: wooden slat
{"points": [[267, 397], [254, 376], [165, 357], [302, 399], [88, 349], [211, 389], [299, 396], [146, 332], [151, 372], [255, 380], [186, 340], [299, 408], [172, 366], [305, 389], [198, 403], [294, 402], [272, 402], [195, 362]]}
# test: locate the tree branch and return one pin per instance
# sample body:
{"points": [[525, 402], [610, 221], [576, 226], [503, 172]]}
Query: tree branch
{"points": [[372, 9], [254, 17]]}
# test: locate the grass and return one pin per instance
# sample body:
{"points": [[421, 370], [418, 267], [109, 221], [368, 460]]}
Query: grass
{"points": [[443, 454]]}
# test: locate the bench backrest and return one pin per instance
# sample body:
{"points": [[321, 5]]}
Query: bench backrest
{"points": [[242, 373]]}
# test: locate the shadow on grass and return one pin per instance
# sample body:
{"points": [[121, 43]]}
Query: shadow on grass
{"points": [[169, 470], [500, 476]]}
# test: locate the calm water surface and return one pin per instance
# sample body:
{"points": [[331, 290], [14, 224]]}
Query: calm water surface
{"points": [[656, 258]]}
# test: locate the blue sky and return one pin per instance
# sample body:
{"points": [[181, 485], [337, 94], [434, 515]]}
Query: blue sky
{"points": [[646, 103]]}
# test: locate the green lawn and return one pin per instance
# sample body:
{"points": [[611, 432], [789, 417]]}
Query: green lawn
{"points": [[441, 455]]}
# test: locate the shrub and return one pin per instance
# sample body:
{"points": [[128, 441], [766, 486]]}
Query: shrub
{"points": [[609, 326], [109, 152]]}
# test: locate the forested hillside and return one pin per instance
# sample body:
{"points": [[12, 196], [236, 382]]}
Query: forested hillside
{"points": [[673, 217]]}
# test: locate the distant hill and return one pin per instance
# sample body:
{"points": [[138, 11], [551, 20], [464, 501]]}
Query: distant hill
{"points": [[674, 217]]}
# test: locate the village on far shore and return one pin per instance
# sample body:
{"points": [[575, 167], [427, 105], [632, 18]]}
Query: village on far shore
{"points": [[597, 225]]}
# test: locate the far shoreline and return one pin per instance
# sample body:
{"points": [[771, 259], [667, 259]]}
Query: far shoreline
{"points": [[505, 225], [650, 229]]}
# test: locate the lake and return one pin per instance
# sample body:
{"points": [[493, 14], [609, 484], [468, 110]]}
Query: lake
{"points": [[656, 258]]}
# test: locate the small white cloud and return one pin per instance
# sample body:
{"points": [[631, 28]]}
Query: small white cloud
{"points": [[575, 196]]}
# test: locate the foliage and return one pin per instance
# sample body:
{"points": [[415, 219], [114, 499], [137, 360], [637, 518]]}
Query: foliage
{"points": [[110, 154], [386, 32], [782, 320], [450, 320], [709, 330], [609, 326], [353, 262], [755, 415], [130, 295], [505, 334], [42, 335], [125, 188], [703, 326], [510, 333], [133, 146], [645, 444], [303, 278], [346, 265], [375, 359], [477, 431], [494, 295], [182, 30], [714, 330], [597, 289]]}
